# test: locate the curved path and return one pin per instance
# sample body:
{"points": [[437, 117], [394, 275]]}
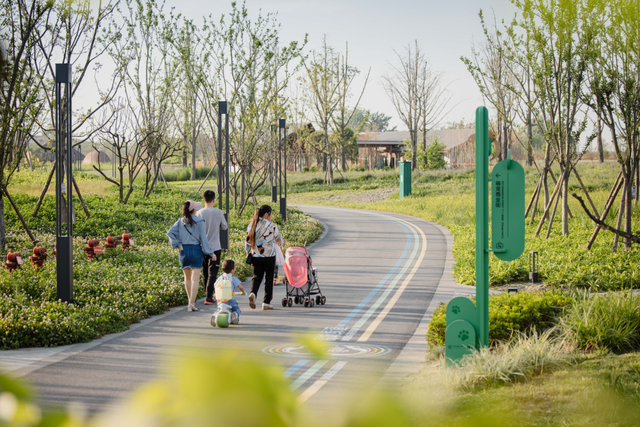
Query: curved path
{"points": [[379, 272]]}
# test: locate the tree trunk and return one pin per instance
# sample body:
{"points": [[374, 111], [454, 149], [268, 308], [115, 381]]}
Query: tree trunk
{"points": [[184, 157], [3, 233], [628, 206], [599, 140], [505, 139], [547, 166], [193, 161], [414, 149], [565, 201], [530, 138]]}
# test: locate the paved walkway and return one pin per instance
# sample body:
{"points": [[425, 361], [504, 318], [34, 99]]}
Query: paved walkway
{"points": [[375, 240]]}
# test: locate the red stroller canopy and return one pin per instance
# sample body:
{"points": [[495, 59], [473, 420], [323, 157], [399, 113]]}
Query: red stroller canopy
{"points": [[295, 266]]}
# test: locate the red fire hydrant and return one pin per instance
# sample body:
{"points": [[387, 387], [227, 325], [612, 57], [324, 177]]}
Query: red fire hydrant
{"points": [[92, 248], [39, 254], [127, 240], [14, 259], [111, 242]]}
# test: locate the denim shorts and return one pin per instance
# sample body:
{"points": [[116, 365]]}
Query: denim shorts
{"points": [[190, 256]]}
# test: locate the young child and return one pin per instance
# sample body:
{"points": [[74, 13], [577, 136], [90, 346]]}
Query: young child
{"points": [[228, 268]]}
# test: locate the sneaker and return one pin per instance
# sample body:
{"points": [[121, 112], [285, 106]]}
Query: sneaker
{"points": [[267, 306], [252, 300], [235, 319], [210, 301]]}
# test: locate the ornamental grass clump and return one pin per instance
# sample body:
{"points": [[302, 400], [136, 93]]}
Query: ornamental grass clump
{"points": [[520, 359], [597, 322]]}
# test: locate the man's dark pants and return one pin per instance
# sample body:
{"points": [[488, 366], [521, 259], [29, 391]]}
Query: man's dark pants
{"points": [[210, 272]]}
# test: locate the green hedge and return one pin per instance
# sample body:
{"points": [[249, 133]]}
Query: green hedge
{"points": [[508, 313]]}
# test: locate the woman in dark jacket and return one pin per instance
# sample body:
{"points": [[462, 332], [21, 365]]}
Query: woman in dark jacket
{"points": [[189, 235]]}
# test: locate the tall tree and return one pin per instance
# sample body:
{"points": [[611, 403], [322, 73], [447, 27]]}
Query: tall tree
{"points": [[323, 79], [615, 88], [254, 71], [562, 45], [142, 55], [22, 24], [496, 80], [189, 54], [417, 94], [343, 135]]}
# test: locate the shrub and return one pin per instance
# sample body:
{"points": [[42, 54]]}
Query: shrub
{"points": [[182, 174], [518, 360], [509, 313], [603, 322], [305, 169], [313, 169]]}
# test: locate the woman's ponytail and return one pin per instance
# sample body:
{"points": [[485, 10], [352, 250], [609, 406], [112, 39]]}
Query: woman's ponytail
{"points": [[259, 213], [186, 213]]}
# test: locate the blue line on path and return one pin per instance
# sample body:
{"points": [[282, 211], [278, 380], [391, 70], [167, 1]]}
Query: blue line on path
{"points": [[375, 290], [293, 369]]}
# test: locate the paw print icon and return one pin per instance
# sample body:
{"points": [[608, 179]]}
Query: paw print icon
{"points": [[455, 309], [463, 335]]}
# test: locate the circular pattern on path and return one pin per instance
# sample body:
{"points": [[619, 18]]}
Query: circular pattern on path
{"points": [[336, 351]]}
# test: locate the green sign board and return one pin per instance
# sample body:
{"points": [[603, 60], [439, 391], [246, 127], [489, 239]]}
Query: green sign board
{"points": [[507, 210], [468, 323]]}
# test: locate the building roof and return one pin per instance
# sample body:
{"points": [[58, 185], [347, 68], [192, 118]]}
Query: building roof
{"points": [[449, 137]]}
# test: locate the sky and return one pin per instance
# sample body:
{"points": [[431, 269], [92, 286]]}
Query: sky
{"points": [[375, 30]]}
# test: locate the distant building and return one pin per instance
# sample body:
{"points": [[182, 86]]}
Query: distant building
{"points": [[377, 149], [48, 155]]}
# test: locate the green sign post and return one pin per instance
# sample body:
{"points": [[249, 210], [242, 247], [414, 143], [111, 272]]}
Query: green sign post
{"points": [[405, 179], [468, 323]]}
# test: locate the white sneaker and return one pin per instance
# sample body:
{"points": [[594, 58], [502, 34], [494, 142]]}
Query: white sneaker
{"points": [[235, 319], [252, 300], [267, 306]]}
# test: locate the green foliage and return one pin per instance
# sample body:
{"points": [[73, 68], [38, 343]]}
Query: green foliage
{"points": [[609, 321], [433, 157], [509, 313], [518, 360], [313, 168], [305, 169], [120, 287]]}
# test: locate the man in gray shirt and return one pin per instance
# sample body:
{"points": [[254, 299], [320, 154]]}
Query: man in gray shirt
{"points": [[214, 221]]}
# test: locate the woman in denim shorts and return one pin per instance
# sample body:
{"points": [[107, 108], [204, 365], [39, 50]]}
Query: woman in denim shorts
{"points": [[189, 236]]}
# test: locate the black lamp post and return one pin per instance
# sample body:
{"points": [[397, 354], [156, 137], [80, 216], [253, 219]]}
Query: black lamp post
{"points": [[282, 126], [223, 109], [533, 267], [274, 165], [64, 236]]}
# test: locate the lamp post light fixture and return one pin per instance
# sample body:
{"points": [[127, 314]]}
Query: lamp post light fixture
{"points": [[223, 177], [533, 267], [282, 126], [64, 223]]}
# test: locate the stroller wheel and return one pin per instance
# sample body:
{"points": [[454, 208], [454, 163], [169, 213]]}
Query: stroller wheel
{"points": [[311, 302], [318, 300], [299, 300], [290, 302], [284, 302], [306, 303], [324, 300]]}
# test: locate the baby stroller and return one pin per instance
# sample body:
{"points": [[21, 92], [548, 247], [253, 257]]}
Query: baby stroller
{"points": [[301, 279]]}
